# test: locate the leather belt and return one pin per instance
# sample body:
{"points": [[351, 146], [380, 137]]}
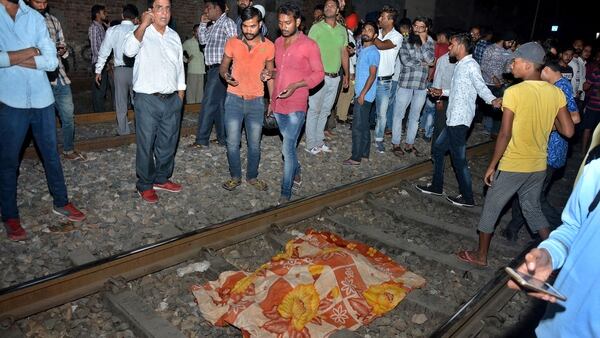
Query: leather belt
{"points": [[384, 78], [163, 96], [216, 65], [334, 75]]}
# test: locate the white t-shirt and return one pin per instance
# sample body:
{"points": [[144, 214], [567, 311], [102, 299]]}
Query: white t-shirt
{"points": [[387, 58]]}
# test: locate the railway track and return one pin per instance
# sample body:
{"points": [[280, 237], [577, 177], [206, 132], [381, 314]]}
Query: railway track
{"points": [[384, 211]]}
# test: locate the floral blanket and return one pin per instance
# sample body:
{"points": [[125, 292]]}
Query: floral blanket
{"points": [[320, 284]]}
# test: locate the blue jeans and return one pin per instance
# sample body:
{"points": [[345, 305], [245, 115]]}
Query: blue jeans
{"points": [[428, 117], [453, 139], [290, 126], [390, 111], [361, 134], [157, 123], [382, 99], [251, 113], [212, 108], [319, 108], [404, 97], [64, 105], [14, 125]]}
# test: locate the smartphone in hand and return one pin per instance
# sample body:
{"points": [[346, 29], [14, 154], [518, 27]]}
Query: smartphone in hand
{"points": [[530, 283]]}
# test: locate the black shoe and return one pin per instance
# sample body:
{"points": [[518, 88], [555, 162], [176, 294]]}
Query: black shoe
{"points": [[460, 201], [428, 189]]}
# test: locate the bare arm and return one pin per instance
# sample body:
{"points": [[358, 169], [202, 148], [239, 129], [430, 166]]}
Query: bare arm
{"points": [[270, 66], [345, 63], [19, 56], [224, 70], [504, 136], [384, 45], [564, 123], [368, 84]]}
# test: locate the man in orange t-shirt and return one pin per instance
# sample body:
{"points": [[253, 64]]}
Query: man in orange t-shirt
{"points": [[248, 55]]}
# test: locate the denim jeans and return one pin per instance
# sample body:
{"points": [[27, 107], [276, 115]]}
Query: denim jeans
{"points": [[492, 117], [390, 111], [382, 100], [14, 125], [319, 108], [290, 126], [212, 108], [156, 134], [453, 139], [361, 134], [404, 97], [428, 117], [251, 114], [64, 105]]}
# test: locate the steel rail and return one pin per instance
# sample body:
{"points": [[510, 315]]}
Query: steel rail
{"points": [[41, 294]]}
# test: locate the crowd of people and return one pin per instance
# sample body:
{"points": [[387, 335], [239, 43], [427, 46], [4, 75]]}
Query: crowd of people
{"points": [[529, 97]]}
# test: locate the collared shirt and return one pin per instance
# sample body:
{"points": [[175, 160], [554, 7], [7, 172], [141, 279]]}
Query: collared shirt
{"points": [[467, 83], [96, 34], [113, 42], [368, 58], [331, 40], [593, 97], [442, 78], [557, 145], [158, 64], [494, 63], [479, 49], [578, 79], [353, 58], [387, 58], [196, 64], [214, 37], [415, 61], [22, 87], [248, 65], [57, 35], [299, 61]]}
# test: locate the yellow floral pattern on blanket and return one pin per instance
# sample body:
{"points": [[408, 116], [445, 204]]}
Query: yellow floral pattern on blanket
{"points": [[319, 284]]}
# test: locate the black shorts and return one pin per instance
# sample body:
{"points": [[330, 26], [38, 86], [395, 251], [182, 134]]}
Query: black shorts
{"points": [[590, 119]]}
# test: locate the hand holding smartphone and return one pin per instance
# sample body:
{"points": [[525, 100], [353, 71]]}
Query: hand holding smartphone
{"points": [[533, 284]]}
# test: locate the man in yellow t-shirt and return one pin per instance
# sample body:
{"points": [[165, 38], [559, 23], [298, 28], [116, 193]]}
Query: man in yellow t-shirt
{"points": [[530, 109]]}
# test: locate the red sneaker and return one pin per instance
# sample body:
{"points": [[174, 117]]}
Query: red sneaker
{"points": [[70, 212], [149, 196], [14, 231], [168, 186]]}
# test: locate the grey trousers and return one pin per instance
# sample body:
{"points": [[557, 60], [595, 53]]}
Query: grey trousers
{"points": [[123, 91], [319, 108], [506, 184], [195, 88]]}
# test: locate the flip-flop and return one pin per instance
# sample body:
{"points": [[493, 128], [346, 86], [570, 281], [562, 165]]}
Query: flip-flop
{"points": [[464, 256]]}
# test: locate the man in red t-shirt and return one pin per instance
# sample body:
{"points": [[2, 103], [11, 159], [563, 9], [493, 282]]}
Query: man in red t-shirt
{"points": [[248, 55]]}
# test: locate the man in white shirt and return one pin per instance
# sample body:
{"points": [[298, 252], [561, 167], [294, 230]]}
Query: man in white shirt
{"points": [[578, 66], [388, 43], [442, 79], [467, 83], [159, 86], [123, 72]]}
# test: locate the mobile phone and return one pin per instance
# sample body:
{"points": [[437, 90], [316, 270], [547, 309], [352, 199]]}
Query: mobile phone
{"points": [[351, 44], [531, 283]]}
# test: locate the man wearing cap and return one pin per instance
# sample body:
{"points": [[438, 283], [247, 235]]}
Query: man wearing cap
{"points": [[494, 63], [243, 4], [532, 105]]}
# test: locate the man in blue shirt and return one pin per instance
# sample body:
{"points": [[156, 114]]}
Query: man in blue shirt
{"points": [[574, 248], [26, 100]]}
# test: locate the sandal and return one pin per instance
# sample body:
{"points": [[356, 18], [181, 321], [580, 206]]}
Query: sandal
{"points": [[351, 162], [296, 186], [258, 184], [231, 184], [464, 256], [397, 150]]}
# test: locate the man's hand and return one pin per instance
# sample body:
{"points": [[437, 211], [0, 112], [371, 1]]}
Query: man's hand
{"points": [[266, 75], [230, 80], [204, 18], [181, 94], [489, 176], [98, 79], [497, 103], [287, 92], [538, 263], [147, 18], [435, 91], [345, 82], [361, 99], [497, 82]]}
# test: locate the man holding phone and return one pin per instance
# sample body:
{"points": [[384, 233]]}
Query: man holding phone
{"points": [[574, 248], [159, 86], [248, 55]]}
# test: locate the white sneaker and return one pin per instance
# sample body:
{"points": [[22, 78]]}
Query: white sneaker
{"points": [[314, 151], [325, 148]]}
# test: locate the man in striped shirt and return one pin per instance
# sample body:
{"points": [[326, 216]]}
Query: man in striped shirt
{"points": [[96, 33], [214, 39]]}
